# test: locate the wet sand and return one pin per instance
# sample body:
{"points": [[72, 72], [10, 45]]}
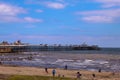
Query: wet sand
{"points": [[15, 70]]}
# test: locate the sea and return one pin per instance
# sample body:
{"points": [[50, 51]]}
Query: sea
{"points": [[106, 59]]}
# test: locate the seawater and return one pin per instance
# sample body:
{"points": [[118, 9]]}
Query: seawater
{"points": [[107, 59]]}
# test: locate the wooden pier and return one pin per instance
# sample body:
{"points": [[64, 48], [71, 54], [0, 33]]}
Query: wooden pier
{"points": [[18, 46], [37, 48]]}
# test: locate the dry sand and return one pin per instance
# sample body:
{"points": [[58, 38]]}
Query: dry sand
{"points": [[13, 70]]}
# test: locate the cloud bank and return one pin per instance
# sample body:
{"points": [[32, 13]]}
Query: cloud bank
{"points": [[104, 16], [9, 13], [108, 3]]}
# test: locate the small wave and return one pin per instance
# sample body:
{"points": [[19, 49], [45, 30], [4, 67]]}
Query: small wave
{"points": [[101, 62], [87, 61], [64, 60]]}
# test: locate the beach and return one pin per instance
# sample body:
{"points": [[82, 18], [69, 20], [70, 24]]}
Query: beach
{"points": [[85, 62], [33, 71]]}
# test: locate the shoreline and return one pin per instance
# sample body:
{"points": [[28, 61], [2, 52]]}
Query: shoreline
{"points": [[74, 61], [34, 71]]}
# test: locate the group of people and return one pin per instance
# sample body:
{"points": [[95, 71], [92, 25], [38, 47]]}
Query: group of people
{"points": [[78, 74], [53, 71]]}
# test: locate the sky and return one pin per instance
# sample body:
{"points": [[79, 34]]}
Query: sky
{"points": [[95, 22]]}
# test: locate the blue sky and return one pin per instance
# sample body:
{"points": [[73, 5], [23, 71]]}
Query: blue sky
{"points": [[95, 22]]}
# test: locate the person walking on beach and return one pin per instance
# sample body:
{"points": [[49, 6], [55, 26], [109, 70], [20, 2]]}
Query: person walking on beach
{"points": [[93, 75], [79, 76], [53, 72], [99, 70], [46, 70], [66, 67]]}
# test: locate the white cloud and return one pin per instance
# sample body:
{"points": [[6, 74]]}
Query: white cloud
{"points": [[39, 10], [55, 5], [6, 9], [96, 19], [100, 15], [30, 19], [110, 12], [16, 19], [109, 3]]}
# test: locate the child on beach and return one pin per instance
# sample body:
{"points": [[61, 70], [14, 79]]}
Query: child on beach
{"points": [[79, 76], [53, 72]]}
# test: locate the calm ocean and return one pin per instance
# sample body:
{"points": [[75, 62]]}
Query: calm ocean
{"points": [[108, 59]]}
